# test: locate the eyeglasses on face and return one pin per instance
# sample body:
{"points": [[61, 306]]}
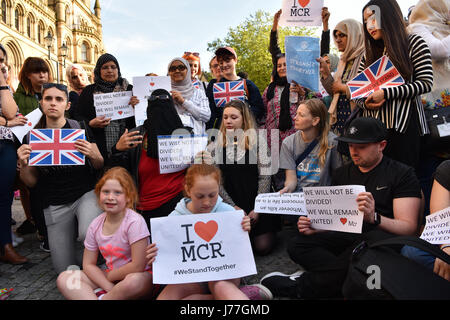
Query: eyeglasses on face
{"points": [[180, 67], [193, 53]]}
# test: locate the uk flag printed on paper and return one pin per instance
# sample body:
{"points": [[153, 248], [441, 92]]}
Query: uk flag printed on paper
{"points": [[381, 74], [55, 147], [196, 84], [224, 92]]}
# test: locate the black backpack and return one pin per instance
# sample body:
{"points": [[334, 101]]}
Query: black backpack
{"points": [[401, 278]]}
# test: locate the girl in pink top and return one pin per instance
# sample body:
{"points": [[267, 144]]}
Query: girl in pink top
{"points": [[121, 236]]}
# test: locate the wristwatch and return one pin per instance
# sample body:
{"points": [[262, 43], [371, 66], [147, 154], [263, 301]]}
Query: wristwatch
{"points": [[376, 218], [4, 87]]}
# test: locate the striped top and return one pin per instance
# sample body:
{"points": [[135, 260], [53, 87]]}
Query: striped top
{"points": [[401, 100]]}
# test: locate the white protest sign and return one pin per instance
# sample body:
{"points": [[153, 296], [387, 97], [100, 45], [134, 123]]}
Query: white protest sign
{"points": [[178, 152], [33, 118], [437, 227], [201, 247], [114, 105], [276, 203], [334, 208], [301, 13], [142, 89]]}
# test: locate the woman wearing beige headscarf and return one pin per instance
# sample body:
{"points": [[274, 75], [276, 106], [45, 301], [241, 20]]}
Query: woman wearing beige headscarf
{"points": [[431, 20], [349, 39]]}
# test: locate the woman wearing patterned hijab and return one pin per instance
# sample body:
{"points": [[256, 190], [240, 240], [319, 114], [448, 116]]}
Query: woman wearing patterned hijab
{"points": [[107, 79], [191, 103]]}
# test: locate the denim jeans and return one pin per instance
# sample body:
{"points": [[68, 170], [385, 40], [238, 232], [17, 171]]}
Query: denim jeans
{"points": [[8, 161]]}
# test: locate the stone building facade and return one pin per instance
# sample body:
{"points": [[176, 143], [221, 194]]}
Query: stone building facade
{"points": [[24, 24]]}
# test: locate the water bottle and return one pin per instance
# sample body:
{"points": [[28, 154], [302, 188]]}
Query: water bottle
{"points": [[293, 97]]}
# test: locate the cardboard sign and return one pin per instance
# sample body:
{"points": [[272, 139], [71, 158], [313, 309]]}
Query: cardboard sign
{"points": [[55, 147], [301, 13], [114, 105], [301, 64], [142, 89], [33, 118], [275, 203], [437, 227], [201, 247], [334, 208], [176, 153]]}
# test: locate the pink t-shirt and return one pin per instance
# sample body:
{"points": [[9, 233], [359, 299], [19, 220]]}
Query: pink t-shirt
{"points": [[116, 248]]}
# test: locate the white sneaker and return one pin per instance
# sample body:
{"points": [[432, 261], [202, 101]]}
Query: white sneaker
{"points": [[292, 276], [16, 240]]}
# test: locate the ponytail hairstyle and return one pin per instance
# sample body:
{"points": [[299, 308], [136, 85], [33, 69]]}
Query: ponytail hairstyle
{"points": [[318, 109], [395, 37], [203, 170], [126, 181]]}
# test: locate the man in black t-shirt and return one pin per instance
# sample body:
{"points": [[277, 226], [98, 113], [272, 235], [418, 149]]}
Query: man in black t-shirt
{"points": [[67, 191], [391, 206]]}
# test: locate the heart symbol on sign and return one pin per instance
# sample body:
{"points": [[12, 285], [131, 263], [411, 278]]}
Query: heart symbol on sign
{"points": [[30, 124], [152, 84], [343, 220], [120, 112], [303, 3], [206, 231]]}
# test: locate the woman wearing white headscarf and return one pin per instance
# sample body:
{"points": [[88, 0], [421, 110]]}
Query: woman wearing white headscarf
{"points": [[431, 20], [349, 39], [191, 103]]}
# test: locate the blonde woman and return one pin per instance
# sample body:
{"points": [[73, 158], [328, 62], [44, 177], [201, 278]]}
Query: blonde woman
{"points": [[78, 80], [309, 156]]}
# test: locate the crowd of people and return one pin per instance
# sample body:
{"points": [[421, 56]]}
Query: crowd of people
{"points": [[323, 139]]}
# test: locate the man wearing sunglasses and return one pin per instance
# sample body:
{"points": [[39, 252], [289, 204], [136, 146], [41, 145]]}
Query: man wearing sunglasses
{"points": [[227, 59]]}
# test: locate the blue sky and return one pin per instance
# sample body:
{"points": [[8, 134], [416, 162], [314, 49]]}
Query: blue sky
{"points": [[145, 35]]}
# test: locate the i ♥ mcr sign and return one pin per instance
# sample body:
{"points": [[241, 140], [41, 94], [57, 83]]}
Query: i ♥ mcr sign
{"points": [[301, 13], [201, 247]]}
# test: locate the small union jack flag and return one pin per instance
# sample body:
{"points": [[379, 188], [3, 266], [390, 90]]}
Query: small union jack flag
{"points": [[55, 147], [196, 84], [224, 92], [381, 74]]}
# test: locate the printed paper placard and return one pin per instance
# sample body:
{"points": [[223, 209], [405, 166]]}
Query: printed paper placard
{"points": [[176, 153], [33, 118], [55, 147], [142, 89], [276, 203], [380, 74], [334, 208], [201, 247], [301, 64], [301, 13], [437, 227], [114, 105]]}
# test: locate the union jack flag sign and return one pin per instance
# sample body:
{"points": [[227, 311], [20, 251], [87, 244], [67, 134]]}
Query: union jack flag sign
{"points": [[381, 74], [55, 147], [224, 92], [196, 84]]}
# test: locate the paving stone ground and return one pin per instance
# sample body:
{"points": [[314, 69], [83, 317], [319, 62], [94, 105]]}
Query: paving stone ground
{"points": [[36, 279]]}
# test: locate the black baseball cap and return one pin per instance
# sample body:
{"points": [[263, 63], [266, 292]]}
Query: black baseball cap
{"points": [[364, 130]]}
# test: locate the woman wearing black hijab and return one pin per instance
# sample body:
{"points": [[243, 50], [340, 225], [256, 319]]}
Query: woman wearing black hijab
{"points": [[107, 79], [138, 153]]}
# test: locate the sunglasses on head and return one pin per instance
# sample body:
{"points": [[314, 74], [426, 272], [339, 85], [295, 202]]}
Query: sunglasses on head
{"points": [[180, 67], [160, 97], [193, 53], [58, 86]]}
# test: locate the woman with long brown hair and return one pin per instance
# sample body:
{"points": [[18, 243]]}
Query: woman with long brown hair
{"points": [[399, 108]]}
